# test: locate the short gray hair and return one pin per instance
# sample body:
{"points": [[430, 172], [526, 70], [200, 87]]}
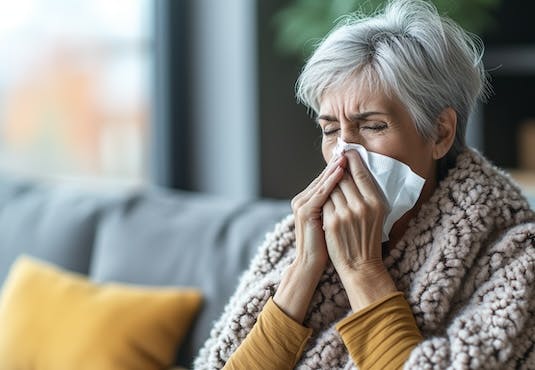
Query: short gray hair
{"points": [[427, 61]]}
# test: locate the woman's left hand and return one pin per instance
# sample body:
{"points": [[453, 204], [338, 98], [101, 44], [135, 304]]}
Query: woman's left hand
{"points": [[353, 220]]}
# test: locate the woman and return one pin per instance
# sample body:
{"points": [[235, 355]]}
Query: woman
{"points": [[454, 285]]}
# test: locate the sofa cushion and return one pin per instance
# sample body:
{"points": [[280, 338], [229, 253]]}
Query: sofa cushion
{"points": [[53, 319], [164, 237], [52, 222]]}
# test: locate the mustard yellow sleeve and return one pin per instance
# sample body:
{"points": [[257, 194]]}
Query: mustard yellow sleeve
{"points": [[382, 335], [275, 342]]}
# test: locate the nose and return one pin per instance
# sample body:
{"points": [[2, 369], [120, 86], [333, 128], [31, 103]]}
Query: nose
{"points": [[349, 133]]}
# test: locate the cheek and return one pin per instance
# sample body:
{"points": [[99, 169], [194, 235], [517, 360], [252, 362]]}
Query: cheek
{"points": [[421, 162], [327, 147]]}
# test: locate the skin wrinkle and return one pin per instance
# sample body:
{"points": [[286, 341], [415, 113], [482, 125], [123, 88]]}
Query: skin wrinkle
{"points": [[354, 98], [334, 263], [411, 276]]}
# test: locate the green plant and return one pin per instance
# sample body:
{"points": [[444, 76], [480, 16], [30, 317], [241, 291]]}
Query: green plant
{"points": [[301, 23]]}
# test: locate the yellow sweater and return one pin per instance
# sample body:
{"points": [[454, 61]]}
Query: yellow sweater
{"points": [[380, 336]]}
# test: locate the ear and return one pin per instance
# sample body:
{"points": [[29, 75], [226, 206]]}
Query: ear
{"points": [[447, 126]]}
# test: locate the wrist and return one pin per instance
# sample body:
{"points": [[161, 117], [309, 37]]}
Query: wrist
{"points": [[366, 284], [307, 268], [296, 289]]}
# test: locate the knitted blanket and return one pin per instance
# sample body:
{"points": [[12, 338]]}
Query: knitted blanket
{"points": [[466, 265]]}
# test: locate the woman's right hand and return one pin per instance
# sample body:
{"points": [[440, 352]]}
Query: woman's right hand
{"points": [[307, 208], [301, 278]]}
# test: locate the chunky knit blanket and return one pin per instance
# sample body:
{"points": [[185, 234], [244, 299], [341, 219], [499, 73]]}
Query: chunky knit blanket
{"points": [[466, 265]]}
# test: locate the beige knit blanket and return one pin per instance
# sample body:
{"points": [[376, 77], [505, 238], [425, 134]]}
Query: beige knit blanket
{"points": [[466, 265]]}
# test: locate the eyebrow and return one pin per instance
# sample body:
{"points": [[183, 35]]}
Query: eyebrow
{"points": [[353, 117]]}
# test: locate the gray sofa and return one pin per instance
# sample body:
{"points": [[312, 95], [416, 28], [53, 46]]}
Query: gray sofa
{"points": [[149, 237]]}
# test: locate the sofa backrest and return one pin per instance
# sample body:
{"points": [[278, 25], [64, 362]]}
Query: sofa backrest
{"points": [[150, 237], [51, 222], [183, 239]]}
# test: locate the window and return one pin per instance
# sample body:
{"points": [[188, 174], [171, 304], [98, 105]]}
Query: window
{"points": [[75, 88]]}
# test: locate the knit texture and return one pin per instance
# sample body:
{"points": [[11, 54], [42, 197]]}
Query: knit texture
{"points": [[466, 265]]}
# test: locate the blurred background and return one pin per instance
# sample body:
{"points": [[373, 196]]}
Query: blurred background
{"points": [[199, 94]]}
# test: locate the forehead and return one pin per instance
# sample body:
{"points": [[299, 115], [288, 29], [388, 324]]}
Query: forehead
{"points": [[357, 95]]}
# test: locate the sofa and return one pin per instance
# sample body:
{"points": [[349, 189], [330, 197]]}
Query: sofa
{"points": [[147, 237]]}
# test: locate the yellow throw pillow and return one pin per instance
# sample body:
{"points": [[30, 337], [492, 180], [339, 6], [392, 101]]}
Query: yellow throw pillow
{"points": [[51, 319]]}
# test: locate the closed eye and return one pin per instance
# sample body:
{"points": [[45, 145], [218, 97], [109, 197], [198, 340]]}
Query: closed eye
{"points": [[374, 126], [330, 131]]}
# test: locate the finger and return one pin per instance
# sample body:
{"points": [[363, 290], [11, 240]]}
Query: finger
{"points": [[328, 211], [349, 189], [327, 171], [362, 177], [324, 189], [338, 199], [312, 188]]}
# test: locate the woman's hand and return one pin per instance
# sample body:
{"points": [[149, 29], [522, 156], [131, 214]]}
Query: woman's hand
{"points": [[353, 219], [307, 208], [302, 276]]}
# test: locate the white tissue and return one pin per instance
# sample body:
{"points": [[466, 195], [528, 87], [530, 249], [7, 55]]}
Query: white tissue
{"points": [[400, 186]]}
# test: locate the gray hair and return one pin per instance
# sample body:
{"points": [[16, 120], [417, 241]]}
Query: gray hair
{"points": [[427, 61]]}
